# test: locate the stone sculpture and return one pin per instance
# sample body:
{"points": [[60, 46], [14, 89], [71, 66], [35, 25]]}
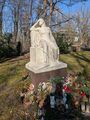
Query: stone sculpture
{"points": [[43, 42], [44, 52]]}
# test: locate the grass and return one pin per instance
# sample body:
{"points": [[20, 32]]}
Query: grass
{"points": [[12, 80], [12, 73], [78, 62]]}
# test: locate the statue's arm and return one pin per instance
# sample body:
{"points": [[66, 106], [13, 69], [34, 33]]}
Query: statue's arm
{"points": [[35, 26]]}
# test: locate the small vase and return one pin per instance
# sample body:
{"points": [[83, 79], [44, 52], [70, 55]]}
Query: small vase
{"points": [[39, 112], [42, 118], [88, 108], [83, 107], [52, 101], [53, 87]]}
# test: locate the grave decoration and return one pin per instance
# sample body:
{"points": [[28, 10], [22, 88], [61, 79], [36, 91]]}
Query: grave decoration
{"points": [[64, 93]]}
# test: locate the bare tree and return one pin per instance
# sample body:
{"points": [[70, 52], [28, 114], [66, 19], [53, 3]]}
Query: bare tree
{"points": [[25, 13], [70, 32], [45, 7], [2, 3], [83, 25]]}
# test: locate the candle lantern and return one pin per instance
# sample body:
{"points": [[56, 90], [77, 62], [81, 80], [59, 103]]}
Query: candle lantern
{"points": [[52, 101]]}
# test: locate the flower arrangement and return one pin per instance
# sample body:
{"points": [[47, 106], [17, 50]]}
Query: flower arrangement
{"points": [[71, 85], [38, 96], [78, 88], [43, 90]]}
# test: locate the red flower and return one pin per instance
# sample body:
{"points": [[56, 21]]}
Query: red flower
{"points": [[67, 89], [82, 94]]}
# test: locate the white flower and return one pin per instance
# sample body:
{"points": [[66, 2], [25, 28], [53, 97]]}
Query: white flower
{"points": [[44, 86]]}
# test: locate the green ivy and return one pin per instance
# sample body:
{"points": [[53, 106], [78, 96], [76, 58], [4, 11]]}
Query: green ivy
{"points": [[57, 79]]}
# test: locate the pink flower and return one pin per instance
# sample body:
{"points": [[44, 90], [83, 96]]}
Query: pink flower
{"points": [[31, 87]]}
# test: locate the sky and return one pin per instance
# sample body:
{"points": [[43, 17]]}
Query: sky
{"points": [[73, 9], [7, 19]]}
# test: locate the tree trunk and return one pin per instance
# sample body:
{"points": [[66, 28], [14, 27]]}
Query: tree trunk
{"points": [[1, 22], [45, 7], [15, 25], [50, 11], [31, 2], [1, 14], [50, 7]]}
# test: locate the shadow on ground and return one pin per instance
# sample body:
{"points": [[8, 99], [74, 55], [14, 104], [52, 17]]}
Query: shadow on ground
{"points": [[62, 114], [81, 59]]}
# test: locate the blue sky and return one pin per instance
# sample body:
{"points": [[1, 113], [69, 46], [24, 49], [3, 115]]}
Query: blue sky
{"points": [[8, 24], [73, 9], [7, 19]]}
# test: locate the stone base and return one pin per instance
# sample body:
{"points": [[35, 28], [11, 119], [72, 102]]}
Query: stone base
{"points": [[44, 73]]}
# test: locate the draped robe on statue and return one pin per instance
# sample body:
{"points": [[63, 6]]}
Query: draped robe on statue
{"points": [[42, 38]]}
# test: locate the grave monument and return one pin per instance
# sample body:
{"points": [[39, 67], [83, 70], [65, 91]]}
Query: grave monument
{"points": [[44, 55]]}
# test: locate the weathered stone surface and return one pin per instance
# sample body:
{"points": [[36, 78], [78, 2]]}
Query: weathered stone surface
{"points": [[42, 68], [44, 49], [45, 76]]}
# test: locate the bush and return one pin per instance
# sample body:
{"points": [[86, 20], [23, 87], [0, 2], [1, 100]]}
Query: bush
{"points": [[7, 51], [7, 37], [19, 48], [62, 43]]}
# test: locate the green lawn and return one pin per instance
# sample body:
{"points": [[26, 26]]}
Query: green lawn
{"points": [[13, 70], [12, 79], [78, 62]]}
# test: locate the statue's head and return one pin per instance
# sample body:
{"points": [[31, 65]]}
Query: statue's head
{"points": [[41, 22]]}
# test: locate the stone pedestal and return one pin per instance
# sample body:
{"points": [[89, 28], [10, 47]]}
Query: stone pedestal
{"points": [[44, 73]]}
